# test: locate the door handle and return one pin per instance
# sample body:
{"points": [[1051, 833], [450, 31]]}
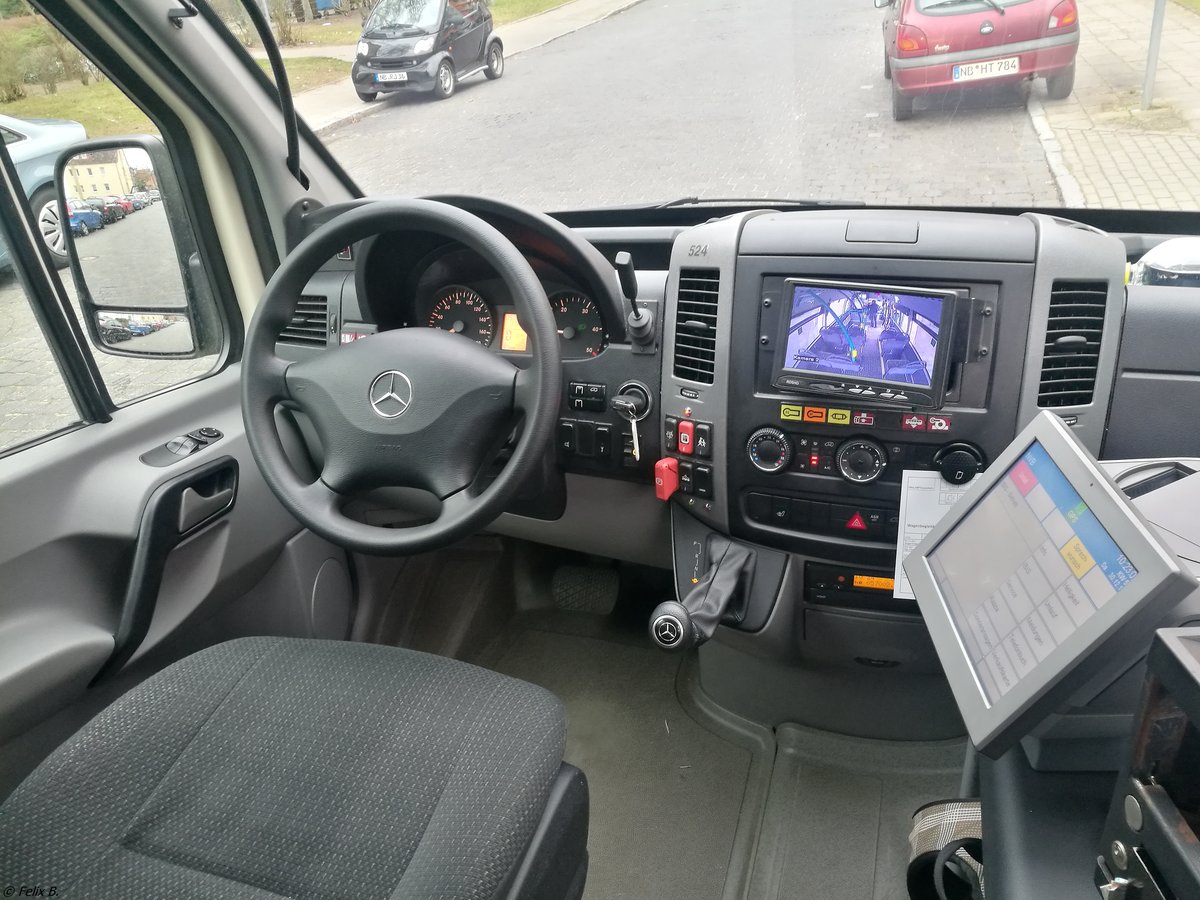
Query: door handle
{"points": [[176, 509], [195, 507]]}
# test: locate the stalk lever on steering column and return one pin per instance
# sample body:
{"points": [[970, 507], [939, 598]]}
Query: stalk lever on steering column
{"points": [[640, 322]]}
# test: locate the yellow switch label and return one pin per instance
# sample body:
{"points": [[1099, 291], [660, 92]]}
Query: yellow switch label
{"points": [[838, 417], [1077, 557], [790, 412]]}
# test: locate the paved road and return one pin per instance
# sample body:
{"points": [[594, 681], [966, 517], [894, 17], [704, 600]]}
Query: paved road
{"points": [[716, 98], [132, 263]]}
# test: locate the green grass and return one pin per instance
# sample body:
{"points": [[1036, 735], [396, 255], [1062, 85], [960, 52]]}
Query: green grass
{"points": [[504, 11], [101, 108], [308, 72], [1193, 5], [104, 111], [331, 31]]}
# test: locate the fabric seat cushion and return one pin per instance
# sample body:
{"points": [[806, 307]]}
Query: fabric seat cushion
{"points": [[271, 767]]}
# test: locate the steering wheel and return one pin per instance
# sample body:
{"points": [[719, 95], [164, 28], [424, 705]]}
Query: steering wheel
{"points": [[413, 407]]}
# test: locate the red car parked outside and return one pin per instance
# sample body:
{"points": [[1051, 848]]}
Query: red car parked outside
{"points": [[936, 46]]}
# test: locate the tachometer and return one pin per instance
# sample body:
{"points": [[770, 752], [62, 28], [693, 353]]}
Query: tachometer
{"points": [[580, 326], [460, 310]]}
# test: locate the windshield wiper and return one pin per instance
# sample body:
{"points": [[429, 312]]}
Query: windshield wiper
{"points": [[752, 201], [994, 4]]}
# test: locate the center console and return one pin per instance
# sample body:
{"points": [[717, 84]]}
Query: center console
{"points": [[811, 357]]}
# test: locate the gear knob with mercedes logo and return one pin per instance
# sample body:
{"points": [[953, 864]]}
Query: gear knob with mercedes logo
{"points": [[671, 626], [718, 595]]}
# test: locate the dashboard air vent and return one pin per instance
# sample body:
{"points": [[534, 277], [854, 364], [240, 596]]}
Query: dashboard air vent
{"points": [[1072, 352], [310, 323], [696, 325]]}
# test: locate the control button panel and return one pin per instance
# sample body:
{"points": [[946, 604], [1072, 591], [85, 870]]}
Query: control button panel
{"points": [[857, 459], [589, 440], [870, 523], [691, 445], [883, 419], [586, 397], [181, 447]]}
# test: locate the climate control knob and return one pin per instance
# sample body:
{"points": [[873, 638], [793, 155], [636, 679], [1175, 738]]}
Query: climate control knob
{"points": [[861, 461], [958, 463], [769, 450]]}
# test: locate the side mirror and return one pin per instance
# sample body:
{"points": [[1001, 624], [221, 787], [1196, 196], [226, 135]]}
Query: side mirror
{"points": [[141, 289], [881, 4]]}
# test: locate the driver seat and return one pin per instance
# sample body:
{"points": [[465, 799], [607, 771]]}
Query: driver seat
{"points": [[271, 767]]}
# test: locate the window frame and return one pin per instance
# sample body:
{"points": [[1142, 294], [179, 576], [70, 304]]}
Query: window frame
{"points": [[69, 345], [44, 292]]}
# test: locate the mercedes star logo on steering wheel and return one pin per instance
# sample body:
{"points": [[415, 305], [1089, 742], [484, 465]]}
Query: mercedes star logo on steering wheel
{"points": [[390, 394]]}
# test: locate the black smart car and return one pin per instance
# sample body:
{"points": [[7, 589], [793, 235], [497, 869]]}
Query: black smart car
{"points": [[425, 45]]}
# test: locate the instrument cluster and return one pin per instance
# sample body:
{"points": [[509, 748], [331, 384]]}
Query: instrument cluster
{"points": [[458, 292]]}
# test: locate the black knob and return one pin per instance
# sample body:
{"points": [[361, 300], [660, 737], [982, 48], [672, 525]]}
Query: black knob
{"points": [[671, 626], [769, 450], [958, 463], [861, 461]]}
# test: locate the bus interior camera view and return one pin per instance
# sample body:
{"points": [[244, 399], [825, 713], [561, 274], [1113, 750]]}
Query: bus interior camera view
{"points": [[863, 333]]}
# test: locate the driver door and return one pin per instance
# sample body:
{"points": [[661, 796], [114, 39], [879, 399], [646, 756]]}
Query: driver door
{"points": [[136, 527], [467, 48]]}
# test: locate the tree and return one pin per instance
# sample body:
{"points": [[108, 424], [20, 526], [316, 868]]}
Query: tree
{"points": [[45, 67], [285, 24], [12, 68], [237, 20]]}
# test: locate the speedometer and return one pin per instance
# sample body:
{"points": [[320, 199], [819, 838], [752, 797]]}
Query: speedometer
{"points": [[460, 310], [580, 326]]}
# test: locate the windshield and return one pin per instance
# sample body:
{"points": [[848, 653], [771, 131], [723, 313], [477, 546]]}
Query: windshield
{"points": [[600, 103], [964, 6], [404, 15]]}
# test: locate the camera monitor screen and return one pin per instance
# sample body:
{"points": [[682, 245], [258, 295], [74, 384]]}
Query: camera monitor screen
{"points": [[865, 333], [1040, 563]]}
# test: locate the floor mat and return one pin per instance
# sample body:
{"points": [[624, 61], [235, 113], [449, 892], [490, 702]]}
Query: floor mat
{"points": [[666, 793], [839, 812]]}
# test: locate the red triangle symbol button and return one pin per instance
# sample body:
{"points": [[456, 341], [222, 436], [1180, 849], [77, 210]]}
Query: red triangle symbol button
{"points": [[856, 523]]}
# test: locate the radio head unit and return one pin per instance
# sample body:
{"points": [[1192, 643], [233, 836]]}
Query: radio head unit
{"points": [[881, 343]]}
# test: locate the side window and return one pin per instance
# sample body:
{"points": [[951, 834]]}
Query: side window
{"points": [[133, 300], [34, 400]]}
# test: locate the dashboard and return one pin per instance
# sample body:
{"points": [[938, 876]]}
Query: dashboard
{"points": [[800, 362]]}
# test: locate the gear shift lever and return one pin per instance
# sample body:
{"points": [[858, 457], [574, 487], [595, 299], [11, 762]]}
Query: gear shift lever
{"points": [[720, 592]]}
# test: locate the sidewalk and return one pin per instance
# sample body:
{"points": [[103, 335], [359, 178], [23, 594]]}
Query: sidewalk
{"points": [[1104, 149], [333, 104]]}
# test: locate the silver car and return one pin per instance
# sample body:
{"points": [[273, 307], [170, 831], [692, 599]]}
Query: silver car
{"points": [[35, 145]]}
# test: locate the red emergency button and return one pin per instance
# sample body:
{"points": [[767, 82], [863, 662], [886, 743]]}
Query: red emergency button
{"points": [[856, 523], [666, 478], [687, 437]]}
